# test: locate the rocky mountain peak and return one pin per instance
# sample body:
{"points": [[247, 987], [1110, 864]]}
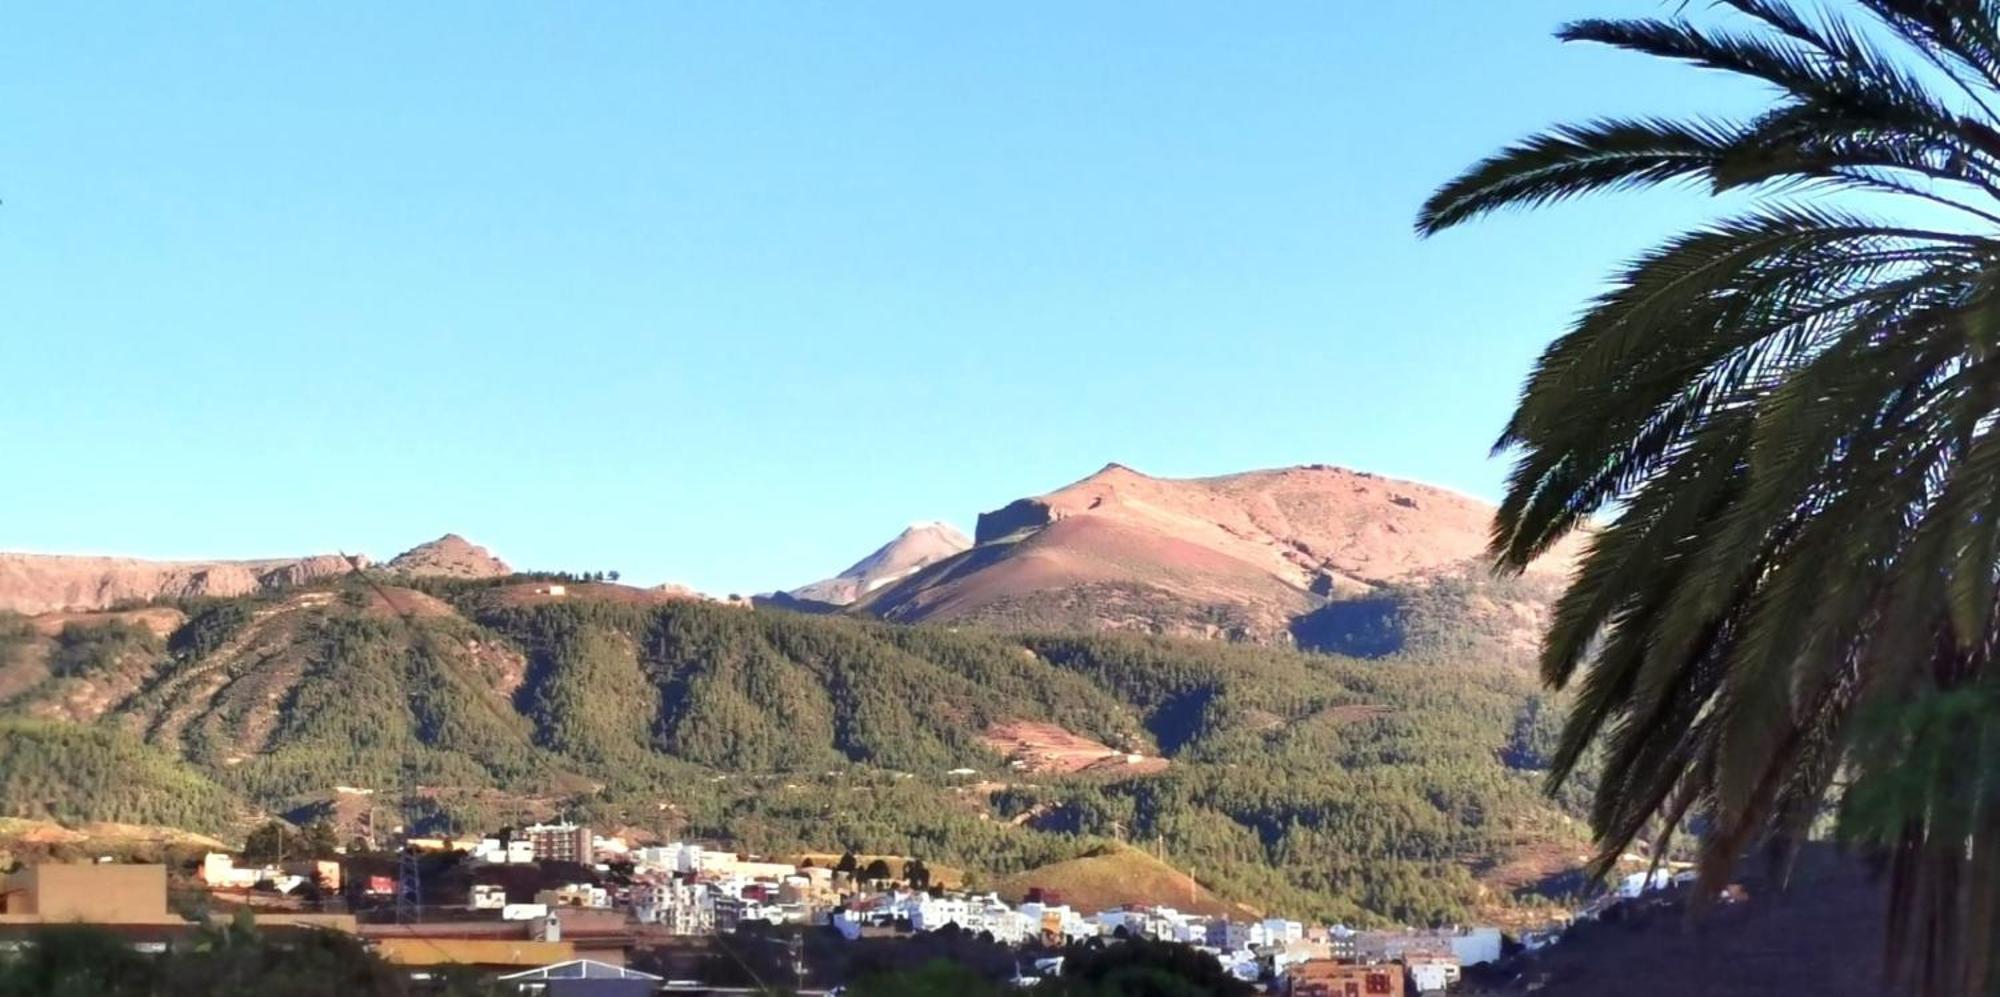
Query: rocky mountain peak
{"points": [[919, 545], [449, 556]]}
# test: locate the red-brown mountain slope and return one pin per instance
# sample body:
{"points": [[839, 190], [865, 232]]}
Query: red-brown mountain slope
{"points": [[1244, 556]]}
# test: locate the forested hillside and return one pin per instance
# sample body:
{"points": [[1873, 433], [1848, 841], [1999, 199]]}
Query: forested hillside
{"points": [[1308, 783]]}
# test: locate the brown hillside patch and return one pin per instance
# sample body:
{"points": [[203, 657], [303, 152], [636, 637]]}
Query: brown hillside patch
{"points": [[391, 600], [1044, 747], [104, 833], [1119, 876]]}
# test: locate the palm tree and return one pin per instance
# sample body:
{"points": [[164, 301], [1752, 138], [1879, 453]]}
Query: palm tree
{"points": [[1784, 425]]}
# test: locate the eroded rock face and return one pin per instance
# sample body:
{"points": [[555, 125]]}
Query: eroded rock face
{"points": [[449, 556], [47, 583]]}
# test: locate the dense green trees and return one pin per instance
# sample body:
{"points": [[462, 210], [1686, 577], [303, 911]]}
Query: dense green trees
{"points": [[72, 773], [1790, 418], [82, 648]]}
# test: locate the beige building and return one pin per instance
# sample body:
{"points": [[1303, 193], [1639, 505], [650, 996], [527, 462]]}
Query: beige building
{"points": [[96, 893]]}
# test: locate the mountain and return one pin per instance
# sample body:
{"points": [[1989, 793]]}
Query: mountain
{"points": [[1312, 784], [1292, 555], [49, 583], [43, 583], [920, 545], [449, 556]]}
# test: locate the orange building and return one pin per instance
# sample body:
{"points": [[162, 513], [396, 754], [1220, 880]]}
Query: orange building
{"points": [[1326, 978]]}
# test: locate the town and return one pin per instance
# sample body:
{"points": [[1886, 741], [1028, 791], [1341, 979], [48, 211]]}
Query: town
{"points": [[550, 901]]}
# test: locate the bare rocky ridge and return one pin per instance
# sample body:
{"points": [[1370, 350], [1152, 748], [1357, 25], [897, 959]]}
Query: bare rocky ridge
{"points": [[47, 583], [1242, 556], [449, 556], [920, 545], [52, 583]]}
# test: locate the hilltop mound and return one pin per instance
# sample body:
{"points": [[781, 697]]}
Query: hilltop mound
{"points": [[449, 556], [1255, 556], [47, 583], [920, 545], [1118, 876]]}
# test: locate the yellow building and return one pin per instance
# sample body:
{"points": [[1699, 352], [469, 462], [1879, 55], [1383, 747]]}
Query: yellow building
{"points": [[95, 893], [510, 952]]}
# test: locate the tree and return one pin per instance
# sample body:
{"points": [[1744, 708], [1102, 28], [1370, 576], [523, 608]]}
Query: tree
{"points": [[320, 841], [274, 841], [876, 872], [847, 864], [1788, 418]]}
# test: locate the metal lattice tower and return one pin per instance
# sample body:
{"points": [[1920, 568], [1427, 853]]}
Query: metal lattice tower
{"points": [[409, 889]]}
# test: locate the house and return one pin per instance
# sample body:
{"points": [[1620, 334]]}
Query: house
{"points": [[560, 842], [584, 978], [575, 895], [683, 907], [1326, 978], [94, 893], [728, 864], [1430, 973], [219, 871], [325, 872]]}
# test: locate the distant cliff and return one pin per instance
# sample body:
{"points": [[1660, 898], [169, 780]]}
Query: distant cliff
{"points": [[43, 583]]}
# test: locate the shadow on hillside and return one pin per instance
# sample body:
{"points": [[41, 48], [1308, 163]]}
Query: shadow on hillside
{"points": [[1357, 628]]}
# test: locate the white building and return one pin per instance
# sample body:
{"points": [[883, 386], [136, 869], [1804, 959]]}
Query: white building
{"points": [[1638, 883], [929, 913], [488, 896], [683, 907], [1476, 945], [1431, 974]]}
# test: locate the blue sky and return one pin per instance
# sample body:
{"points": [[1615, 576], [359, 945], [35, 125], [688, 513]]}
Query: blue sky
{"points": [[727, 293]]}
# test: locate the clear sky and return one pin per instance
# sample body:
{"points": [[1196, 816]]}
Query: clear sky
{"points": [[727, 293]]}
